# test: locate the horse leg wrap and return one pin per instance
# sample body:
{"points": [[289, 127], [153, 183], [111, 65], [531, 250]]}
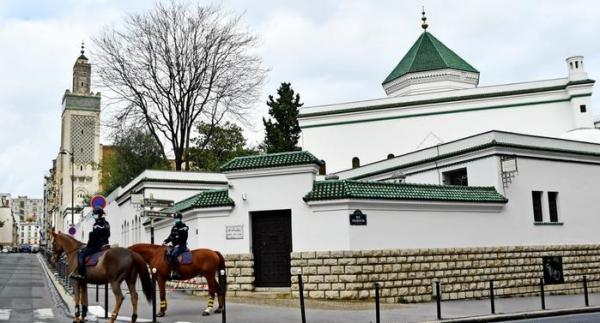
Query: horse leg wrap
{"points": [[209, 307], [84, 310], [76, 311], [163, 305]]}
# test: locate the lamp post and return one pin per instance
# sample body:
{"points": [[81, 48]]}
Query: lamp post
{"points": [[65, 152]]}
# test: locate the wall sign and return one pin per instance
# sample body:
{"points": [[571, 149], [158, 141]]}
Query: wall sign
{"points": [[234, 232], [553, 270], [358, 218]]}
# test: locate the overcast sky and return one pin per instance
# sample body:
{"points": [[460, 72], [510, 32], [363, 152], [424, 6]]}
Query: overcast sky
{"points": [[331, 51]]}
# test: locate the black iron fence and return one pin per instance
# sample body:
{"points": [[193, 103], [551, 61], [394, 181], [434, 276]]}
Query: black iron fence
{"points": [[580, 286]]}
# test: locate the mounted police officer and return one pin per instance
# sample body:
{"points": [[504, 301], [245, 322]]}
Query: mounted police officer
{"points": [[178, 237], [97, 238]]}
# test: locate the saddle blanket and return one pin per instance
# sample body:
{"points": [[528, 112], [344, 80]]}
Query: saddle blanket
{"points": [[184, 259], [93, 259]]}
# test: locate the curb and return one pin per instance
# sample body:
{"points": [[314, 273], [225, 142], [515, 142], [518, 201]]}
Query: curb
{"points": [[520, 316], [62, 293]]}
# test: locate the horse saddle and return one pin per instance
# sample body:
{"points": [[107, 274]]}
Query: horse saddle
{"points": [[184, 259], [92, 260]]}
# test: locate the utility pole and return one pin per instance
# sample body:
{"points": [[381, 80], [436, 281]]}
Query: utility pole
{"points": [[64, 152]]}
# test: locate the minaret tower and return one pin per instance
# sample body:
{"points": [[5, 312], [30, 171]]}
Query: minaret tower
{"points": [[82, 72], [77, 164]]}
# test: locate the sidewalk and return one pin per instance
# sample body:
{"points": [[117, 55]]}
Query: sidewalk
{"points": [[184, 307], [188, 308]]}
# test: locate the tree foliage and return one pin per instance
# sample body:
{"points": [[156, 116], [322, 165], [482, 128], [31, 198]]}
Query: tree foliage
{"points": [[217, 145], [282, 130], [178, 64], [134, 151]]}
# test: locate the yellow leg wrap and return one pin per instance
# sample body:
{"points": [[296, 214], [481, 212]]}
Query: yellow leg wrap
{"points": [[163, 303]]}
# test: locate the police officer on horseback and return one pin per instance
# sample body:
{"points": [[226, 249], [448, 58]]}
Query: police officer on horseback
{"points": [[178, 237], [98, 238]]}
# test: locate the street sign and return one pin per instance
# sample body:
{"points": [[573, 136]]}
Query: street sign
{"points": [[158, 203], [157, 214], [98, 202], [72, 231], [137, 199], [358, 218]]}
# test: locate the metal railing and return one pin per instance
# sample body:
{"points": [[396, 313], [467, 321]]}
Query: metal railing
{"points": [[538, 290]]}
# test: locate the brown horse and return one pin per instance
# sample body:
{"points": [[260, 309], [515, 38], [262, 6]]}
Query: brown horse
{"points": [[205, 262], [114, 267]]}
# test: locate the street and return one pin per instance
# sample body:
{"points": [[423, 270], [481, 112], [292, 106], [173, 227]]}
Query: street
{"points": [[25, 293], [581, 318]]}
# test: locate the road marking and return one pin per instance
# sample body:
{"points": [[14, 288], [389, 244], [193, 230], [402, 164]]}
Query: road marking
{"points": [[98, 311], [43, 314], [4, 315]]}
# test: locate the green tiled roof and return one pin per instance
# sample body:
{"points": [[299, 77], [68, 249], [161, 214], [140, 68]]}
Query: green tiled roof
{"points": [[428, 54], [271, 160], [350, 189], [211, 198]]}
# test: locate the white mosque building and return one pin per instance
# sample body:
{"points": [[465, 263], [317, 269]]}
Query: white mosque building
{"points": [[439, 181], [433, 98]]}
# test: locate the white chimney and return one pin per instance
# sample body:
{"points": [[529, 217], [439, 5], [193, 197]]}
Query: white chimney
{"points": [[575, 66]]}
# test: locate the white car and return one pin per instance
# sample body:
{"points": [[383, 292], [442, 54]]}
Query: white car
{"points": [[5, 250]]}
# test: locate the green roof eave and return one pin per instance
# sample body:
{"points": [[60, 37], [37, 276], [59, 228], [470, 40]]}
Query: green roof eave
{"points": [[206, 199], [360, 190], [294, 158], [428, 54]]}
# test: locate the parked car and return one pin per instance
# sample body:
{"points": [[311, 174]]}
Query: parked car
{"points": [[35, 248], [25, 248], [14, 249], [5, 250]]}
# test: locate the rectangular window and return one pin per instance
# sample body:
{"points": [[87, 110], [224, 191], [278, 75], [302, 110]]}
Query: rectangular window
{"points": [[456, 177], [582, 108], [552, 207], [536, 197]]}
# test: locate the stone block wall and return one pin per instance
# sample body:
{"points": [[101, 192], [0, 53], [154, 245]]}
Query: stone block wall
{"points": [[408, 275], [240, 277]]}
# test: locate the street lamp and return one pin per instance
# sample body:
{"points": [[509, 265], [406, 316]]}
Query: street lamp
{"points": [[65, 152]]}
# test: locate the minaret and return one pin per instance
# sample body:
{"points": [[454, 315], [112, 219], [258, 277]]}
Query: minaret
{"points": [[82, 71], [80, 141], [581, 105]]}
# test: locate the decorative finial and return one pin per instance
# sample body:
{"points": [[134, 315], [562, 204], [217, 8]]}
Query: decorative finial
{"points": [[82, 47], [424, 25]]}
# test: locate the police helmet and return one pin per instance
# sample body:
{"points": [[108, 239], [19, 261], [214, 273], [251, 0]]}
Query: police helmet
{"points": [[98, 211], [178, 215]]}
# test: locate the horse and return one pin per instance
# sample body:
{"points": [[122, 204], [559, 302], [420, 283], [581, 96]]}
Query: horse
{"points": [[205, 262], [114, 266]]}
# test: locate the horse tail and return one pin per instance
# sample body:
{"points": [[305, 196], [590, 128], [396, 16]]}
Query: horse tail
{"points": [[142, 269], [221, 261]]}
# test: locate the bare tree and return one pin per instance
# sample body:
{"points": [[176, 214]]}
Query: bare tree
{"points": [[178, 64]]}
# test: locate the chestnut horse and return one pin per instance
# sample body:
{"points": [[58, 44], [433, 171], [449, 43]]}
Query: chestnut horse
{"points": [[205, 262], [114, 266]]}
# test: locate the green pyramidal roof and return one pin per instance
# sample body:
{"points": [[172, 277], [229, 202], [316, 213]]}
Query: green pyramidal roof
{"points": [[428, 54]]}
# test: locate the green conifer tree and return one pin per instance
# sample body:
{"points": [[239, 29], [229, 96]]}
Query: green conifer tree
{"points": [[282, 130]]}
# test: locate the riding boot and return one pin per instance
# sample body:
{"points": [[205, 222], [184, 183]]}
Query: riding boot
{"points": [[77, 273], [175, 272]]}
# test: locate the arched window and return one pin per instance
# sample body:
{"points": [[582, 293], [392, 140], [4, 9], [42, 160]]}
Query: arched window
{"points": [[355, 162]]}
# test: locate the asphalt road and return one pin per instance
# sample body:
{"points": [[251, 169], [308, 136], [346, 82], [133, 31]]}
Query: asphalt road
{"points": [[25, 293]]}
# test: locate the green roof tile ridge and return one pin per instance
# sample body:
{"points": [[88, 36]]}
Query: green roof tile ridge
{"points": [[281, 159], [353, 189]]}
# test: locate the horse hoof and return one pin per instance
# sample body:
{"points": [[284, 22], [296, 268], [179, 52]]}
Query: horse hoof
{"points": [[160, 314], [218, 310], [205, 313]]}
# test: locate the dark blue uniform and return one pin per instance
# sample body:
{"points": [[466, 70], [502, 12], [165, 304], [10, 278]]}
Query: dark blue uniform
{"points": [[178, 237], [97, 238]]}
